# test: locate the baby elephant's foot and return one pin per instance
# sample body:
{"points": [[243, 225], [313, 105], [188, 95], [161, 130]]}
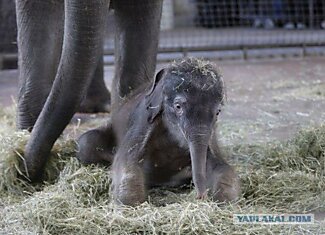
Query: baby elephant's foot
{"points": [[96, 146], [129, 187], [224, 185]]}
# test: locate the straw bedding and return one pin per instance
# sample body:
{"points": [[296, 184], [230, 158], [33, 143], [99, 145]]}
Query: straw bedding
{"points": [[277, 177]]}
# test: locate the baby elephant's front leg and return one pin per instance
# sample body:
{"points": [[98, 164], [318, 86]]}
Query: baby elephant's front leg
{"points": [[128, 183], [222, 181], [129, 186]]}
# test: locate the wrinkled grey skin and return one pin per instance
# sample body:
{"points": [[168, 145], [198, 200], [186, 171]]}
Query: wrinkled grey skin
{"points": [[60, 49], [165, 135]]}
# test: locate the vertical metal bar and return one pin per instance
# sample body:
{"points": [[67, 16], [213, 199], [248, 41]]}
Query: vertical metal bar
{"points": [[1, 61], [245, 55], [311, 13]]}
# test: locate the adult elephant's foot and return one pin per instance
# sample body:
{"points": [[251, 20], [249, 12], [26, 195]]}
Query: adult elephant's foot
{"points": [[96, 103]]}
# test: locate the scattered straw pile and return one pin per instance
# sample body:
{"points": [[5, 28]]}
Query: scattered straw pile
{"points": [[276, 177]]}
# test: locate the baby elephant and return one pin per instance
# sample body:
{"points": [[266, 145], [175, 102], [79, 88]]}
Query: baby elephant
{"points": [[165, 135]]}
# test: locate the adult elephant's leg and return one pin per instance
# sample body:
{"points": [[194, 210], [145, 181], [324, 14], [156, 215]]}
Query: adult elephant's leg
{"points": [[83, 37], [98, 98], [136, 43], [40, 34]]}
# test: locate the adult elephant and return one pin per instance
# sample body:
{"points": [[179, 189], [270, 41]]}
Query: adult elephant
{"points": [[60, 61]]}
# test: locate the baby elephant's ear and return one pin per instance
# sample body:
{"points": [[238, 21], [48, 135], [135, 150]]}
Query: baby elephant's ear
{"points": [[154, 97]]}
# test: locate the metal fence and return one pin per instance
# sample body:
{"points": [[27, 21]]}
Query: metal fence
{"points": [[234, 28], [239, 26], [216, 25], [224, 24]]}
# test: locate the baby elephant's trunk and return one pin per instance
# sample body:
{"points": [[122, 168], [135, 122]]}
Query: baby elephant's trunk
{"points": [[198, 144]]}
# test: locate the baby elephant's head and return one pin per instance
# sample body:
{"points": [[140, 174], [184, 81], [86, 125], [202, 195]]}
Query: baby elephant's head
{"points": [[189, 96]]}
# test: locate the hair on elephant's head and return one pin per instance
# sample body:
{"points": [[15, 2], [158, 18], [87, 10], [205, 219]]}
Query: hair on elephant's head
{"points": [[188, 95]]}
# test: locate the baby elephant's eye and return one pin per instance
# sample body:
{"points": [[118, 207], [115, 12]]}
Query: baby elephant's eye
{"points": [[178, 108], [218, 112]]}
